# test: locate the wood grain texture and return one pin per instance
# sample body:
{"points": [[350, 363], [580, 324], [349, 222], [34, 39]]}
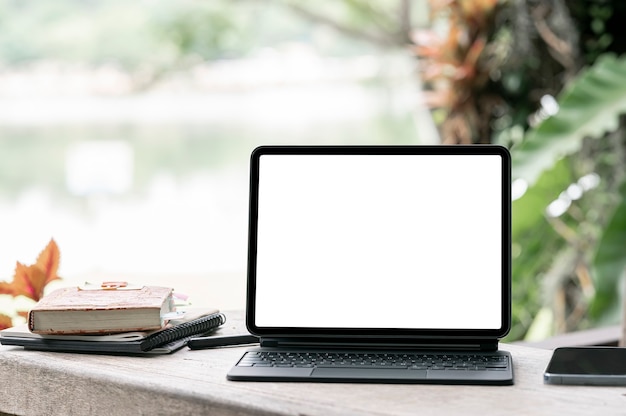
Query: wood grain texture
{"points": [[194, 383]]}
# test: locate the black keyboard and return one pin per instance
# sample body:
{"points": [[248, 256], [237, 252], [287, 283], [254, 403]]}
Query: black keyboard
{"points": [[415, 361]]}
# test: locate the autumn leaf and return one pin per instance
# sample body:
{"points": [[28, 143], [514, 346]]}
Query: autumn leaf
{"points": [[30, 281], [5, 321], [48, 261]]}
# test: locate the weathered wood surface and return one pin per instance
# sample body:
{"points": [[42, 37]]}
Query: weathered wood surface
{"points": [[194, 383]]}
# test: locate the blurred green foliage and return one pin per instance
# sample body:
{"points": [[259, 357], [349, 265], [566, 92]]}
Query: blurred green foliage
{"points": [[587, 238], [81, 32], [152, 34]]}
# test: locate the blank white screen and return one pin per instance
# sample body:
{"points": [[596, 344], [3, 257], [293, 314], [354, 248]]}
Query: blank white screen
{"points": [[379, 241]]}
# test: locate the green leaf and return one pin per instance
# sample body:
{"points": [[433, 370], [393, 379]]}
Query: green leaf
{"points": [[609, 261], [534, 243], [589, 107], [528, 211]]}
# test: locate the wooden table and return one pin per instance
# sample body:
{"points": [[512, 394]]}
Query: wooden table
{"points": [[194, 383]]}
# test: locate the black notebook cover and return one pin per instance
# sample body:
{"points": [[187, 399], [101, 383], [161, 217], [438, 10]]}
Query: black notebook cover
{"points": [[164, 341]]}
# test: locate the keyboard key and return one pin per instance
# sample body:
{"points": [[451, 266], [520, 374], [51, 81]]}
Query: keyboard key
{"points": [[419, 361]]}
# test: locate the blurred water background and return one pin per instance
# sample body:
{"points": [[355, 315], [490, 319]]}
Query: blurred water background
{"points": [[148, 181]]}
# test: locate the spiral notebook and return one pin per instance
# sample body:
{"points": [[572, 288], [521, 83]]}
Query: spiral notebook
{"points": [[163, 341]]}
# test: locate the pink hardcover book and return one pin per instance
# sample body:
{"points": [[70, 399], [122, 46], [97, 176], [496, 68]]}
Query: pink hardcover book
{"points": [[106, 309]]}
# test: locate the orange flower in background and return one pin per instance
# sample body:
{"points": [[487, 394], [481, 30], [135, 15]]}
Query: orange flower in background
{"points": [[455, 66], [31, 280]]}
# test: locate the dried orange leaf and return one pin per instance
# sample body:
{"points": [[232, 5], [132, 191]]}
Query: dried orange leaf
{"points": [[6, 288], [5, 321], [30, 281], [48, 261]]}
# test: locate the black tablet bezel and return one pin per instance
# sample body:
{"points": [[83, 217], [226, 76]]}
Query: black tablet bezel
{"points": [[381, 333]]}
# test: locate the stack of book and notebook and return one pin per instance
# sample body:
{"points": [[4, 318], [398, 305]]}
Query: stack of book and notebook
{"points": [[119, 318]]}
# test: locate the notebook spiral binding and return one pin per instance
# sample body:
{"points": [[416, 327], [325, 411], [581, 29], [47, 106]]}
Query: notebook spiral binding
{"points": [[184, 330]]}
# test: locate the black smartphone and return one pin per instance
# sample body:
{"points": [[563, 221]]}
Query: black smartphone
{"points": [[601, 366]]}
